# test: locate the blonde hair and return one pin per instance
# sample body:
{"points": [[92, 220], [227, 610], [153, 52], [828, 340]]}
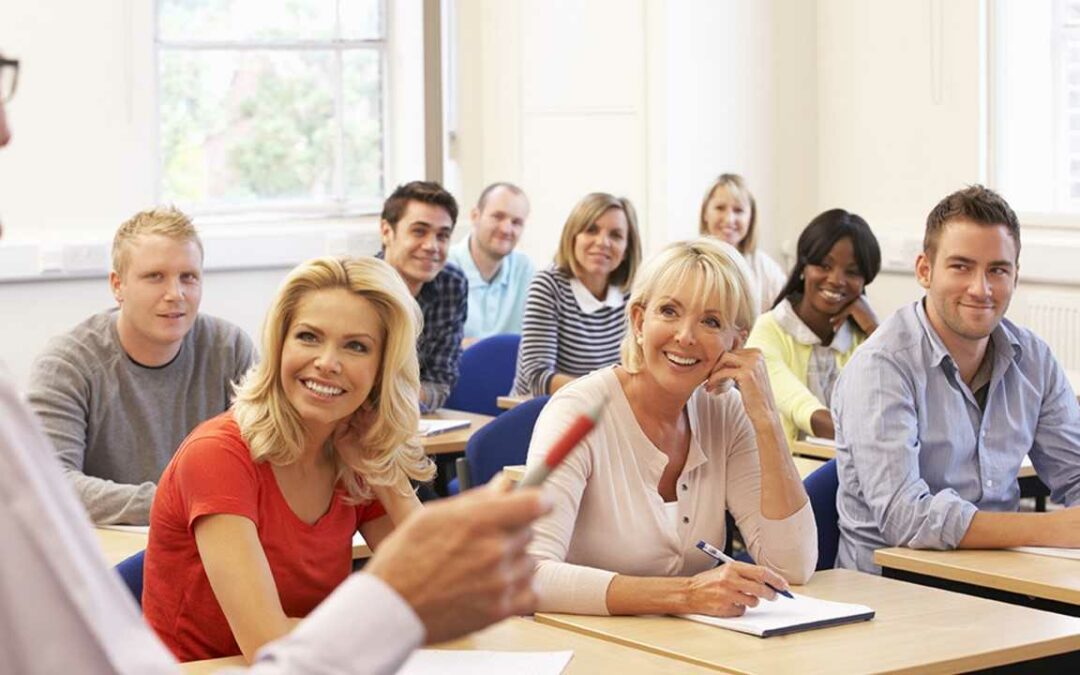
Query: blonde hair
{"points": [[715, 271], [736, 185], [271, 425], [584, 214], [167, 221]]}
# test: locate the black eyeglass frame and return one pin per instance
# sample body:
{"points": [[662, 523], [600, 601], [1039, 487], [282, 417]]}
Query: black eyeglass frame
{"points": [[14, 65]]}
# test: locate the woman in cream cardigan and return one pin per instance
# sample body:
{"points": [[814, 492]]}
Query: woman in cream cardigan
{"points": [[819, 319], [675, 448]]}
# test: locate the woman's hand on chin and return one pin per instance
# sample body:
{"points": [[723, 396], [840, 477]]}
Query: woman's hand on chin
{"points": [[747, 370]]}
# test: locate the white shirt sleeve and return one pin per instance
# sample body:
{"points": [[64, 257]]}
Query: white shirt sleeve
{"points": [[363, 627]]}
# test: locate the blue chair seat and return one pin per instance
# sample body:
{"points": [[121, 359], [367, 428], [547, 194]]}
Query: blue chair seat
{"points": [[130, 570], [503, 441], [485, 373]]}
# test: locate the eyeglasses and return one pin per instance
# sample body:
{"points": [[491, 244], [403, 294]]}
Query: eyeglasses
{"points": [[9, 78]]}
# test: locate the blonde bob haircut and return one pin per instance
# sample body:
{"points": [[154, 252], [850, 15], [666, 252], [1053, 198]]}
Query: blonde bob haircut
{"points": [[712, 269], [736, 185], [271, 425], [167, 221], [584, 214]]}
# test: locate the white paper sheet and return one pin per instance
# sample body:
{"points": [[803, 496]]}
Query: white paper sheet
{"points": [[787, 615], [1070, 553], [432, 427], [479, 662]]}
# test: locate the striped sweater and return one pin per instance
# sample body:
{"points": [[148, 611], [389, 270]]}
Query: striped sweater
{"points": [[557, 336]]}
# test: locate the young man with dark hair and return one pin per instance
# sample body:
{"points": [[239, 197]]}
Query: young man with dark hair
{"points": [[417, 221], [936, 411], [498, 275]]}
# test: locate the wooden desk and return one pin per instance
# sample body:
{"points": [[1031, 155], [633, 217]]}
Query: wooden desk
{"points": [[1026, 575], [827, 452], [507, 402], [120, 544], [453, 441], [590, 654], [915, 628]]}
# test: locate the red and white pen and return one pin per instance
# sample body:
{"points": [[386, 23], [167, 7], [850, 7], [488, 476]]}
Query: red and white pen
{"points": [[570, 438]]}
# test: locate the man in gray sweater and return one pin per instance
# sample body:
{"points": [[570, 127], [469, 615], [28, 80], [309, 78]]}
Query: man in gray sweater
{"points": [[120, 391]]}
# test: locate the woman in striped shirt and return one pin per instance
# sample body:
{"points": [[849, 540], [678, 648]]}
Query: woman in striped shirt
{"points": [[574, 318]]}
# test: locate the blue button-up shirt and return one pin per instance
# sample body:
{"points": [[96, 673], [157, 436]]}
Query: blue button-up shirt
{"points": [[917, 456], [495, 306]]}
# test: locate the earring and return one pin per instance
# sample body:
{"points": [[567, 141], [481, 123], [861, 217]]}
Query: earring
{"points": [[640, 339]]}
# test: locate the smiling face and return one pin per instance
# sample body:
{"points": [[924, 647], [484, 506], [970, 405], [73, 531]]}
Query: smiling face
{"points": [[969, 281], [599, 249], [159, 295], [683, 335], [417, 245], [727, 215], [331, 357], [498, 227], [832, 284]]}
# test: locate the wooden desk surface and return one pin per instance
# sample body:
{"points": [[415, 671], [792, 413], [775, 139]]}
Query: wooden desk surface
{"points": [[119, 544], [827, 452], [1039, 576], [507, 402], [916, 628], [517, 634], [453, 441]]}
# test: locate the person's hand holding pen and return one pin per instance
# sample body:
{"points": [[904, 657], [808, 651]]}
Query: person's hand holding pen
{"points": [[729, 589]]}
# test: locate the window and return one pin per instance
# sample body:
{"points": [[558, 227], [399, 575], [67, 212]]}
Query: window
{"points": [[271, 106]]}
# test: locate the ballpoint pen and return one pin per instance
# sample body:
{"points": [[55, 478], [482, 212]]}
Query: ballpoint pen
{"points": [[718, 555]]}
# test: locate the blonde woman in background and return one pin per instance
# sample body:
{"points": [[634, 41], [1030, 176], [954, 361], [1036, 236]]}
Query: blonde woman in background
{"points": [[574, 319], [729, 212], [253, 520], [675, 448]]}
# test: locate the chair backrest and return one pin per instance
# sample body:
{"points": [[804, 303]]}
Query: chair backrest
{"points": [[131, 571], [821, 487], [503, 441], [486, 372]]}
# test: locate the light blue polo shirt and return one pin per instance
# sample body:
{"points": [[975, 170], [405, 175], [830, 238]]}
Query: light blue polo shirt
{"points": [[495, 306]]}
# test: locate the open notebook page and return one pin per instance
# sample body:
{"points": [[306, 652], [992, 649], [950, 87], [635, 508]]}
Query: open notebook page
{"points": [[786, 615]]}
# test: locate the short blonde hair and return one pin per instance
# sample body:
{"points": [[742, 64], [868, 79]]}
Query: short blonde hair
{"points": [[736, 185], [167, 221], [271, 425], [716, 271], [584, 214]]}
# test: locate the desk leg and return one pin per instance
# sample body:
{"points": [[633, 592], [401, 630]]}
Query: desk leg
{"points": [[1033, 487]]}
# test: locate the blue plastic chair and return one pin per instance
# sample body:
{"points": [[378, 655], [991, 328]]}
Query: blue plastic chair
{"points": [[504, 441], [821, 487], [486, 372], [131, 571]]}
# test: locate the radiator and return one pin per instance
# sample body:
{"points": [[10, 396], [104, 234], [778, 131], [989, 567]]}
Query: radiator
{"points": [[1055, 317]]}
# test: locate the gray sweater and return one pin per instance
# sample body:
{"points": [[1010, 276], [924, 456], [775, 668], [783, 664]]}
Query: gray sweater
{"points": [[114, 423]]}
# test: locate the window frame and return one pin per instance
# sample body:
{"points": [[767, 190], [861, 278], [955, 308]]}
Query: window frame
{"points": [[337, 207]]}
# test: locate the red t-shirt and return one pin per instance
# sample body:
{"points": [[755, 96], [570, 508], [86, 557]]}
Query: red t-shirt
{"points": [[213, 473]]}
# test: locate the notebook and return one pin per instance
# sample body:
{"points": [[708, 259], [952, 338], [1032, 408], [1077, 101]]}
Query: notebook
{"points": [[786, 615], [432, 427]]}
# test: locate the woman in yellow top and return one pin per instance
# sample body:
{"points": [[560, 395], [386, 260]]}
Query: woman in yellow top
{"points": [[819, 318]]}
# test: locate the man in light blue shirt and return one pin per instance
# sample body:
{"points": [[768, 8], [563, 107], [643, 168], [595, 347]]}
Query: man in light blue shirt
{"points": [[936, 411], [498, 275]]}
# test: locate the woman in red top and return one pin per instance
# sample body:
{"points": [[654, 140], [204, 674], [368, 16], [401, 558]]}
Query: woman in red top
{"points": [[253, 519]]}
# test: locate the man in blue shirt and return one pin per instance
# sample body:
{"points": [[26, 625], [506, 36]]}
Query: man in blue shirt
{"points": [[936, 411], [498, 275], [417, 221]]}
